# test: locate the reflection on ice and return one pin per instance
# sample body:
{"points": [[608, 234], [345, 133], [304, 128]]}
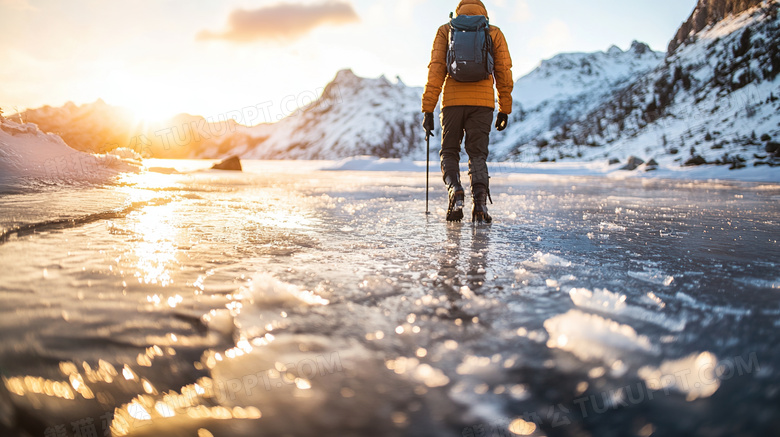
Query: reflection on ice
{"points": [[421, 372], [156, 247], [22, 386], [176, 408], [522, 427]]}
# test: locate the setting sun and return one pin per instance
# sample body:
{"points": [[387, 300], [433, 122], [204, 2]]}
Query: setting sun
{"points": [[149, 99]]}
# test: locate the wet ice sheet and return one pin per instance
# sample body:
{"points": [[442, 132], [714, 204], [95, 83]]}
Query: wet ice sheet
{"points": [[328, 304]]}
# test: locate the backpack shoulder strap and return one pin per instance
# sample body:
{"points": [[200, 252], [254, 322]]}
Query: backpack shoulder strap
{"points": [[489, 37]]}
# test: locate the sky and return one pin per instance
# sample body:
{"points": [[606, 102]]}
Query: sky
{"points": [[209, 57]]}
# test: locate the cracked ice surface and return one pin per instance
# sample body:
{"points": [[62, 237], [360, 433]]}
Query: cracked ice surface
{"points": [[291, 301]]}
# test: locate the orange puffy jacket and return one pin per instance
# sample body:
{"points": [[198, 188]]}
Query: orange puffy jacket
{"points": [[469, 93]]}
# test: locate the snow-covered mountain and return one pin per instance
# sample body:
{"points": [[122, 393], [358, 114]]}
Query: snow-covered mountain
{"points": [[90, 127], [99, 127], [707, 13], [354, 116], [359, 116], [566, 87], [715, 99]]}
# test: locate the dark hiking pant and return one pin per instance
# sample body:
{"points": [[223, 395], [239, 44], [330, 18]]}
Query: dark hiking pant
{"points": [[475, 123]]}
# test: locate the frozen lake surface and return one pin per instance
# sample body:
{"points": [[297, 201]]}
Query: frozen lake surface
{"points": [[286, 301]]}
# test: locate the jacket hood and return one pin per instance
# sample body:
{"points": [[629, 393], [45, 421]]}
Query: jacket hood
{"points": [[471, 7]]}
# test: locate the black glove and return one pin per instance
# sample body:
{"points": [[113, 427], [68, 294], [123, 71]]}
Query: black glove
{"points": [[502, 121], [428, 123]]}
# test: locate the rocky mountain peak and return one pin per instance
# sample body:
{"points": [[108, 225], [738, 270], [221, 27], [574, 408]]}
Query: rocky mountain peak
{"points": [[708, 12], [639, 48], [614, 51], [345, 79]]}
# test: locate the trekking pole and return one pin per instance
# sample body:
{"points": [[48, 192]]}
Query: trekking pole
{"points": [[427, 167]]}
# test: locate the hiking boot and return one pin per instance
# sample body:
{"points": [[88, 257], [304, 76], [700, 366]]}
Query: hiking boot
{"points": [[455, 208], [479, 210]]}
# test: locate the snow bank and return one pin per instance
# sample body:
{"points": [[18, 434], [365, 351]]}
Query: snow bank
{"points": [[596, 169], [28, 153], [370, 163], [706, 172]]}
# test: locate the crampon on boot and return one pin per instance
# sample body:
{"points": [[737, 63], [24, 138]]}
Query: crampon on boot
{"points": [[455, 207], [479, 211]]}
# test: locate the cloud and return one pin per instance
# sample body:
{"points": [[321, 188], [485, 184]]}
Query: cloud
{"points": [[21, 5], [555, 37], [282, 21], [405, 9], [522, 12]]}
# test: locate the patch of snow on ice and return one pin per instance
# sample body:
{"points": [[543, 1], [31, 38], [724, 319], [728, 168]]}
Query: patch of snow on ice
{"points": [[694, 376], [525, 277], [220, 321], [267, 291], [711, 309], [541, 260], [592, 337], [606, 226], [654, 300], [598, 300], [608, 302], [760, 283], [653, 276], [422, 372]]}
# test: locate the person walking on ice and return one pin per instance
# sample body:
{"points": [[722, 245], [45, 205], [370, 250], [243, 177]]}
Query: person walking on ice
{"points": [[469, 56]]}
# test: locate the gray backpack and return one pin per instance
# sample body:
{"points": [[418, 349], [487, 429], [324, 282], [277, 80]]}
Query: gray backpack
{"points": [[470, 49]]}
